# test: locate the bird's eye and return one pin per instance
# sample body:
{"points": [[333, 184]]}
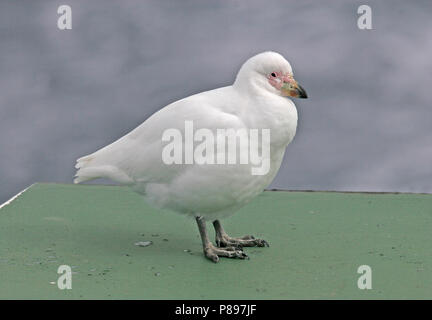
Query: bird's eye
{"points": [[273, 75]]}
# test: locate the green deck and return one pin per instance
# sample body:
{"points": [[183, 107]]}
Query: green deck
{"points": [[317, 241]]}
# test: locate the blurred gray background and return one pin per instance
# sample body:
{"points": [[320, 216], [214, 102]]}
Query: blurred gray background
{"points": [[367, 124]]}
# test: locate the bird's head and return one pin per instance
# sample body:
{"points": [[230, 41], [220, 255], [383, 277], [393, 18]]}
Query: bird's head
{"points": [[271, 72]]}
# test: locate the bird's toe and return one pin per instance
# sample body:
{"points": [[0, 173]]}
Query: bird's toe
{"points": [[261, 243], [213, 253], [245, 241], [232, 248]]}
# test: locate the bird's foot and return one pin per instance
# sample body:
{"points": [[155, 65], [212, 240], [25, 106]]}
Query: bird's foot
{"points": [[246, 241], [213, 253]]}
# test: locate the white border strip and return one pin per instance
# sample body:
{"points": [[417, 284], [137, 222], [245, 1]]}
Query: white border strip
{"points": [[14, 197]]}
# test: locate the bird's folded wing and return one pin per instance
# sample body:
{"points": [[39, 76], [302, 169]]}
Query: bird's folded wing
{"points": [[137, 156]]}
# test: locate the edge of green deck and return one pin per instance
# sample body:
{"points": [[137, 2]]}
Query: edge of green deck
{"points": [[318, 240]]}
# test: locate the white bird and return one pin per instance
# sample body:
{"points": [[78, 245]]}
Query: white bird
{"points": [[204, 189]]}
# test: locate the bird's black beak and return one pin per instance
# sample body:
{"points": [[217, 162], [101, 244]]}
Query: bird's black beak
{"points": [[293, 89], [301, 93]]}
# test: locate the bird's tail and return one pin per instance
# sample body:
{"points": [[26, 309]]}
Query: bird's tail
{"points": [[85, 172], [92, 167]]}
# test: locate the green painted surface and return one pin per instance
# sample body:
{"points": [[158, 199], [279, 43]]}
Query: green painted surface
{"points": [[318, 240]]}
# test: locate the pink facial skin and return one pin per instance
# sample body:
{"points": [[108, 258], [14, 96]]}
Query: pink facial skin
{"points": [[280, 79]]}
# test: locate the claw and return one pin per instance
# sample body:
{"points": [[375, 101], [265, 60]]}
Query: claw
{"points": [[244, 255], [262, 243]]}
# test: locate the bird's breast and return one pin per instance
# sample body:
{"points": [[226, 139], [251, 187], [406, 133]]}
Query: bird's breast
{"points": [[279, 116]]}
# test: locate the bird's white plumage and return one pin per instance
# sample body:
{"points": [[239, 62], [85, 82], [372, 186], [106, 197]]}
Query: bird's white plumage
{"points": [[210, 190]]}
